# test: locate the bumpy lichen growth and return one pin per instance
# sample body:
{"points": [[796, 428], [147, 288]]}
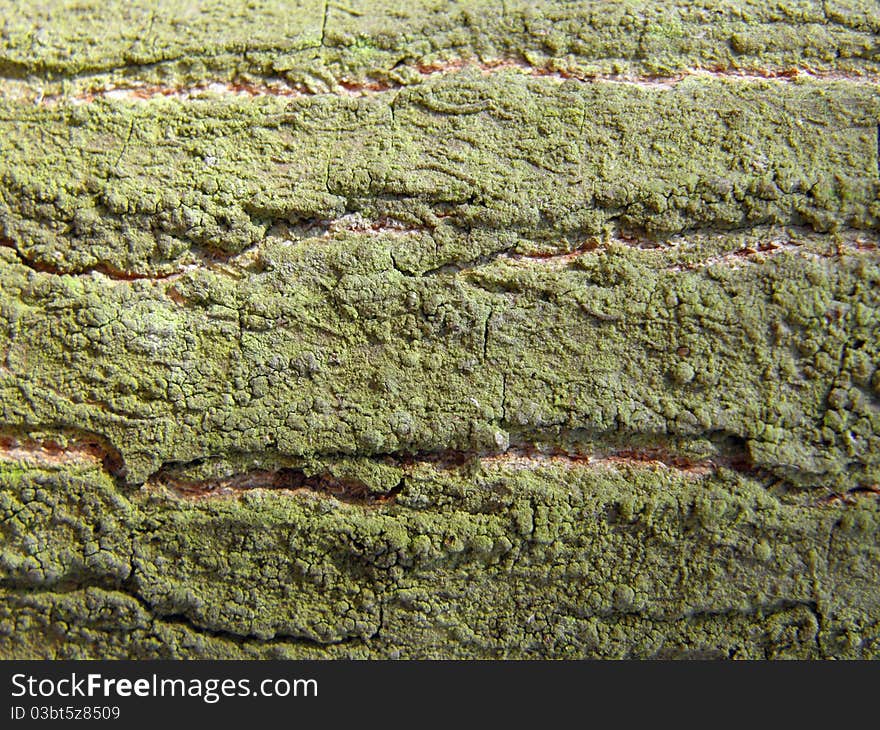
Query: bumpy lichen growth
{"points": [[328, 348], [134, 188], [321, 44], [431, 351], [474, 561]]}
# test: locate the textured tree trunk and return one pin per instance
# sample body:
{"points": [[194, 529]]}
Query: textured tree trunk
{"points": [[423, 329]]}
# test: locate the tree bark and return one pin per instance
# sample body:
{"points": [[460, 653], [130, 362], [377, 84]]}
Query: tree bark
{"points": [[480, 330]]}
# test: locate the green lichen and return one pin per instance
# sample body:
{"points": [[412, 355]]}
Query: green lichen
{"points": [[321, 353], [141, 187], [489, 561], [316, 315], [316, 44]]}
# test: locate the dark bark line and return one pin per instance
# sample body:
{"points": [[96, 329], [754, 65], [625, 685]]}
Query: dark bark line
{"points": [[786, 632]]}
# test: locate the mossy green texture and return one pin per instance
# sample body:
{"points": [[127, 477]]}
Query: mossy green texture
{"points": [[334, 342], [474, 561], [329, 349], [318, 44], [138, 187], [372, 288]]}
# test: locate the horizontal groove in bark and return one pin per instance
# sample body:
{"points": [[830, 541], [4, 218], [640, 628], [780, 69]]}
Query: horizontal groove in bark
{"points": [[26, 92], [764, 245], [851, 496], [66, 447], [49, 453], [355, 491], [852, 244], [79, 450], [198, 259], [69, 448], [349, 490]]}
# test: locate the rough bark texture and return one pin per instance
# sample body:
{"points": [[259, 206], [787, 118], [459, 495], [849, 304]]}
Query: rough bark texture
{"points": [[435, 329]]}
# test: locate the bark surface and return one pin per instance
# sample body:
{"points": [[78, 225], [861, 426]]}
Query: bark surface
{"points": [[491, 330]]}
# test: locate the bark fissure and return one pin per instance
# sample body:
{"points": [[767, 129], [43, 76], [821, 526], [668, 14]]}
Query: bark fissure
{"points": [[279, 87]]}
